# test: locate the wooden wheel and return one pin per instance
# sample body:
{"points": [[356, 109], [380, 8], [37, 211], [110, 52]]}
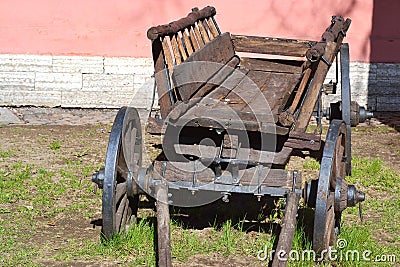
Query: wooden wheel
{"points": [[333, 167], [123, 160]]}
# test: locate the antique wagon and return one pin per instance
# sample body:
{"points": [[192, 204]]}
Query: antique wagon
{"points": [[233, 110]]}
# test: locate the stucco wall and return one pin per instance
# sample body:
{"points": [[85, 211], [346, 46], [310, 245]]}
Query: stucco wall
{"points": [[118, 28]]}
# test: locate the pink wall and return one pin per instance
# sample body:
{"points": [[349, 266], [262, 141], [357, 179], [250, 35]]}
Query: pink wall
{"points": [[118, 28]]}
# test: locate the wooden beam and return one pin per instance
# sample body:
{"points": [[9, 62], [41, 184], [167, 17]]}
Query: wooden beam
{"points": [[272, 46], [271, 65], [307, 108]]}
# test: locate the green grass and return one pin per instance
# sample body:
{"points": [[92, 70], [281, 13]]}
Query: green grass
{"points": [[31, 196], [55, 145], [4, 154], [311, 164]]}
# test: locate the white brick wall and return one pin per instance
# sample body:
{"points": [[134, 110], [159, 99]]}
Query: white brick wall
{"points": [[75, 81], [111, 82]]}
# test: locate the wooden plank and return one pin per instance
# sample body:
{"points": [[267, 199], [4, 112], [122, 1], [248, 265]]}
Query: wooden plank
{"points": [[161, 77], [219, 50], [175, 49], [203, 32], [231, 82], [272, 46], [262, 92], [198, 36], [313, 92], [180, 46], [193, 39], [212, 27], [271, 65], [287, 232], [183, 171], [189, 77], [253, 155], [207, 28], [188, 44], [218, 78]]}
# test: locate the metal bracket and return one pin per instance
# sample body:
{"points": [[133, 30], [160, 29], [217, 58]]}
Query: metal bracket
{"points": [[326, 61]]}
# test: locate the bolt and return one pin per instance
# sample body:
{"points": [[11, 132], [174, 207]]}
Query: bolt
{"points": [[225, 198], [169, 194]]}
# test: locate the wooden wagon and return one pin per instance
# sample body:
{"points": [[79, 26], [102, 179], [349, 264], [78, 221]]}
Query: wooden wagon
{"points": [[233, 110]]}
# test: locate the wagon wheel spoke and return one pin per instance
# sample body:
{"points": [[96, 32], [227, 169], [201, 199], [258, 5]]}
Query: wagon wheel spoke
{"points": [[120, 191], [120, 211], [122, 172], [125, 217]]}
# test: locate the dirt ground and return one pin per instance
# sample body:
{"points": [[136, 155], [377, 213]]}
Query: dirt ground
{"points": [[88, 145]]}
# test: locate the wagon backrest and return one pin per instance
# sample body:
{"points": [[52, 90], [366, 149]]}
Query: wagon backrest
{"points": [[193, 38]]}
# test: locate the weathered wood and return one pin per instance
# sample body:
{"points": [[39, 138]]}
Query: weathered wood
{"points": [[212, 27], [179, 25], [193, 39], [175, 49], [161, 78], [249, 154], [218, 78], [154, 126], [219, 50], [167, 54], [207, 29], [187, 42], [313, 92], [271, 65], [334, 33], [163, 226], [300, 91], [180, 46], [189, 77], [198, 36], [183, 171], [271, 46], [287, 231], [287, 118], [203, 31]]}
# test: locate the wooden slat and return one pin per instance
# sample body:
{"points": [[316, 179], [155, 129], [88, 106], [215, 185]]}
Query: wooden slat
{"points": [[175, 49], [212, 27], [272, 46], [192, 36], [208, 30], [167, 53], [161, 78], [180, 45], [188, 44], [203, 32], [261, 64], [198, 36]]}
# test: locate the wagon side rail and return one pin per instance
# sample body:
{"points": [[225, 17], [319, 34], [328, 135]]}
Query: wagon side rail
{"points": [[319, 59]]}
